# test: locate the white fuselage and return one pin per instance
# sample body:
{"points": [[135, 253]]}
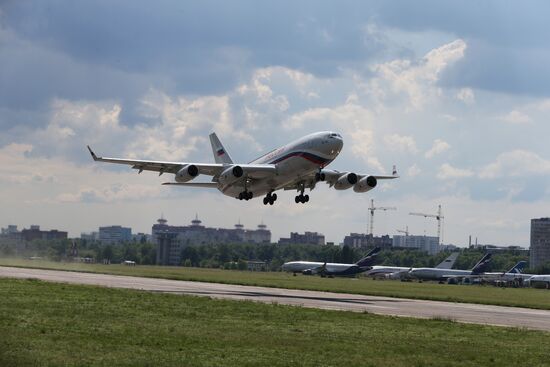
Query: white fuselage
{"points": [[437, 274], [380, 270], [300, 266], [298, 159], [539, 281]]}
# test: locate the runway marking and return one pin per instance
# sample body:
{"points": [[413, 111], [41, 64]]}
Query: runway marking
{"points": [[459, 312]]}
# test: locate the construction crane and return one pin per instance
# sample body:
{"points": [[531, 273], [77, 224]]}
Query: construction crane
{"points": [[405, 231], [439, 217], [372, 208]]}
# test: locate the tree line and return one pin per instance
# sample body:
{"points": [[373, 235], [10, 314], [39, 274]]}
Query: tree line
{"points": [[234, 256]]}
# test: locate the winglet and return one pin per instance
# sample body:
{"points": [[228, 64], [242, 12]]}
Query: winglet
{"points": [[394, 171], [92, 153]]}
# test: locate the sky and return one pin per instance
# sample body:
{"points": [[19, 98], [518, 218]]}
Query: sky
{"points": [[456, 94]]}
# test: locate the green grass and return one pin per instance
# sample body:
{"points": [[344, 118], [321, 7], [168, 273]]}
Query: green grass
{"points": [[523, 297], [51, 324]]}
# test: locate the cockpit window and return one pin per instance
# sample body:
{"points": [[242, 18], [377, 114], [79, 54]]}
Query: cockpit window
{"points": [[334, 135]]}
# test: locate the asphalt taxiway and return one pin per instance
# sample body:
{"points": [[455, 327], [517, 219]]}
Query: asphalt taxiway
{"points": [[461, 312]]}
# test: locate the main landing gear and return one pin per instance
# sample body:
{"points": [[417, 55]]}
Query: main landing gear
{"points": [[245, 195], [301, 198], [270, 198]]}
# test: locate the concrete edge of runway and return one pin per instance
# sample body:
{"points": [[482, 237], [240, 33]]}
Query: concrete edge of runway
{"points": [[535, 319]]}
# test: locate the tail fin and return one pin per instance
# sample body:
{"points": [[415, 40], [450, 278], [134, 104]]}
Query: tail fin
{"points": [[518, 268], [448, 262], [220, 154], [369, 258], [482, 265]]}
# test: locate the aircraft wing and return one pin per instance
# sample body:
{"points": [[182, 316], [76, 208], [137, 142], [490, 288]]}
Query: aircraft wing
{"points": [[209, 169], [331, 176], [316, 270]]}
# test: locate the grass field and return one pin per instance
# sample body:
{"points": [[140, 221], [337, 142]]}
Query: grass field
{"points": [[49, 324], [524, 297]]}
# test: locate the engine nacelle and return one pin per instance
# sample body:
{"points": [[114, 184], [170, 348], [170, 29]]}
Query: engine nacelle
{"points": [[231, 175], [365, 184], [187, 173], [346, 181]]}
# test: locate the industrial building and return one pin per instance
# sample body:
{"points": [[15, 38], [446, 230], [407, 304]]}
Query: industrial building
{"points": [[171, 240], [539, 251]]}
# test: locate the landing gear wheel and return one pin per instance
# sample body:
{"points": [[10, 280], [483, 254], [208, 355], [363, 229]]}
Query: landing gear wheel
{"points": [[297, 199], [319, 177], [306, 199], [266, 201]]}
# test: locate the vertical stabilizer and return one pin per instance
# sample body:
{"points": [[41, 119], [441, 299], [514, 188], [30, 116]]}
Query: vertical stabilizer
{"points": [[482, 265], [369, 258], [518, 268], [448, 262], [220, 154]]}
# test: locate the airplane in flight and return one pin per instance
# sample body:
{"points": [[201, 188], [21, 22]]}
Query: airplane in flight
{"points": [[401, 272], [299, 165], [332, 269]]}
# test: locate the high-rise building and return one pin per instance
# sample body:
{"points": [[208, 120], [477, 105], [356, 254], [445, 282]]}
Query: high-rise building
{"points": [[363, 241], [115, 234], [429, 244], [539, 252], [171, 240], [34, 233], [308, 238]]}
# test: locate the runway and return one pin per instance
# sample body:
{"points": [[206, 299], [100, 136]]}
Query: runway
{"points": [[461, 312]]}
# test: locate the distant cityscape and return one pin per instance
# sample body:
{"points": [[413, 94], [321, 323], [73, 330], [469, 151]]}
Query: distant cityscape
{"points": [[171, 239]]}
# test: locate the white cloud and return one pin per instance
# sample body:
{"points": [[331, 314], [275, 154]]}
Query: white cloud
{"points": [[439, 146], [413, 170], [516, 117], [516, 163], [466, 95], [417, 80], [401, 143], [448, 172]]}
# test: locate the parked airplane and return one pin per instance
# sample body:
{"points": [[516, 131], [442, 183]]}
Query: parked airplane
{"points": [[332, 269], [539, 281], [515, 273], [446, 274], [399, 272], [299, 165]]}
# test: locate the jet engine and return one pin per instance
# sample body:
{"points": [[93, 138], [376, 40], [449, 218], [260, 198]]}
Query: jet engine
{"points": [[346, 181], [187, 173], [365, 184], [231, 175]]}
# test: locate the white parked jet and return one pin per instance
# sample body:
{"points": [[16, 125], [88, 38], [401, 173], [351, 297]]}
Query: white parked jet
{"points": [[332, 269], [454, 274], [296, 166], [400, 272]]}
